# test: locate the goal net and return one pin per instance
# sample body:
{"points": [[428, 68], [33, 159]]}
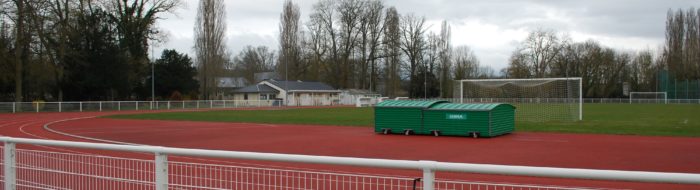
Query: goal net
{"points": [[648, 97], [542, 99]]}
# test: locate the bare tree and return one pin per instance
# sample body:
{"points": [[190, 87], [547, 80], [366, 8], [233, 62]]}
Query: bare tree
{"points": [[465, 62], [392, 43], [371, 28], [317, 47], [538, 53], [691, 53], [290, 49], [413, 44], [642, 71], [675, 32], [349, 12], [21, 45], [253, 60], [210, 48], [445, 58]]}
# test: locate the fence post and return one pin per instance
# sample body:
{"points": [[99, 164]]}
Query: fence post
{"points": [[119, 106], [197, 104], [183, 105], [14, 107], [137, 105], [9, 166], [37, 107], [59, 107], [211, 103], [428, 175], [161, 169], [81, 106], [224, 103], [168, 104], [100, 106]]}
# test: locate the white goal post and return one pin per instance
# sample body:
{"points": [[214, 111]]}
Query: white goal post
{"points": [[536, 99], [364, 102], [649, 97]]}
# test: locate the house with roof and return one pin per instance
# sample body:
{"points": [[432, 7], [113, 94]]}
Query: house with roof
{"points": [[298, 93], [228, 84]]}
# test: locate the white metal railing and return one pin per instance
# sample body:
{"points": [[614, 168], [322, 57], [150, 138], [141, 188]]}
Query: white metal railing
{"points": [[54, 170], [99, 106]]}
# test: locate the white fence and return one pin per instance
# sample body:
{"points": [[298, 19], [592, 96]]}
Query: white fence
{"points": [[98, 106], [34, 169]]}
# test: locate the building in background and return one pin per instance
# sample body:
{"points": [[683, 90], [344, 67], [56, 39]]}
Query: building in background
{"points": [[227, 85], [298, 93]]}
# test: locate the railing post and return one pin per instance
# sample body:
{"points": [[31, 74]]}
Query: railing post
{"points": [[428, 175], [183, 105], [81, 106], [59, 107], [119, 106], [37, 107], [224, 103], [197, 104], [161, 163], [137, 105], [9, 166], [151, 105], [211, 103], [14, 107], [100, 106]]}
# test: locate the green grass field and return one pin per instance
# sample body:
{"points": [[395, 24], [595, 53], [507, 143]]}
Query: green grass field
{"points": [[626, 119]]}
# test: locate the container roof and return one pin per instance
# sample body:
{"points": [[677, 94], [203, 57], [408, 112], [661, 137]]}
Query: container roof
{"points": [[469, 107], [408, 103]]}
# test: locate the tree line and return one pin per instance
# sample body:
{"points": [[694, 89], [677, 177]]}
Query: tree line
{"points": [[604, 70], [362, 44], [65, 50], [68, 50]]}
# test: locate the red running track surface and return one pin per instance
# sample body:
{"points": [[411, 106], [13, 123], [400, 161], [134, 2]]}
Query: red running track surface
{"points": [[610, 152]]}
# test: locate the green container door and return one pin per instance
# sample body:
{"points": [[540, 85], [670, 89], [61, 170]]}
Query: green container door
{"points": [[456, 123], [488, 120], [401, 115], [502, 120]]}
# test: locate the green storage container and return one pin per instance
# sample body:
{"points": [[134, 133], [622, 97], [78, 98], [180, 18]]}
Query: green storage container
{"points": [[483, 120], [401, 116]]}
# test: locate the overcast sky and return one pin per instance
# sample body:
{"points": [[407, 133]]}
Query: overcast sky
{"points": [[491, 28]]}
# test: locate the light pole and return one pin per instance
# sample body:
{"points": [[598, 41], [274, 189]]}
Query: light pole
{"points": [[153, 76]]}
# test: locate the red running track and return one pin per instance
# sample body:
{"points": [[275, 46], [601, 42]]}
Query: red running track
{"points": [[638, 153]]}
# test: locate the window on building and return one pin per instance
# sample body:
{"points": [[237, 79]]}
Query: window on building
{"points": [[245, 96]]}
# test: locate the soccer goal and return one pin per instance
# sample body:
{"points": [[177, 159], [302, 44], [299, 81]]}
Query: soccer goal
{"points": [[539, 99], [365, 102], [648, 97]]}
